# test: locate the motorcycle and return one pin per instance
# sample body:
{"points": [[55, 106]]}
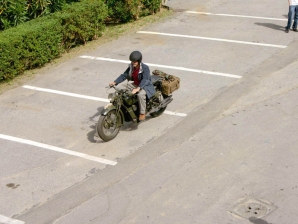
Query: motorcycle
{"points": [[124, 107]]}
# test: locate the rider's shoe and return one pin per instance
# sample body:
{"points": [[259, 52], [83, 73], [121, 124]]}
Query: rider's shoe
{"points": [[142, 117]]}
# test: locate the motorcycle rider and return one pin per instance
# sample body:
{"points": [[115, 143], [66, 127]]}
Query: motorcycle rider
{"points": [[139, 74]]}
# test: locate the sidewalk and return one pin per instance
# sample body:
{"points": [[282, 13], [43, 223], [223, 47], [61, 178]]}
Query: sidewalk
{"points": [[248, 153], [238, 140]]}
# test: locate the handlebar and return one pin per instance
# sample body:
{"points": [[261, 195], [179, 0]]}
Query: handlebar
{"points": [[119, 89]]}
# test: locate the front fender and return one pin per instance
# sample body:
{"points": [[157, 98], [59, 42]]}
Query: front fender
{"points": [[107, 108], [110, 107]]}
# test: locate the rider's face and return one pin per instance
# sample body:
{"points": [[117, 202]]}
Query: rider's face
{"points": [[135, 64]]}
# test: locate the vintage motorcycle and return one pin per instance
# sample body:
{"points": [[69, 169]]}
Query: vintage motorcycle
{"points": [[124, 107]]}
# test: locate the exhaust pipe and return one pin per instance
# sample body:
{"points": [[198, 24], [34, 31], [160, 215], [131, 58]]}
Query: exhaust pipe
{"points": [[163, 104]]}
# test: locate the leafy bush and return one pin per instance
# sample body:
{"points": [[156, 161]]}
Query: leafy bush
{"points": [[12, 12], [15, 12], [127, 10], [123, 10], [151, 6], [28, 46], [36, 42], [82, 23]]}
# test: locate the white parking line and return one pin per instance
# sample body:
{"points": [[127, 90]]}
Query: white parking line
{"points": [[174, 113], [66, 93], [242, 16], [7, 220], [214, 39], [87, 97], [166, 66], [57, 149]]}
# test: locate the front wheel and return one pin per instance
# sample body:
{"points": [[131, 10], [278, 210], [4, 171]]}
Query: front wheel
{"points": [[108, 126], [158, 113]]}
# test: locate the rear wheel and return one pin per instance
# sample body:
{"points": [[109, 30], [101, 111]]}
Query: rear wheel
{"points": [[158, 113], [108, 126]]}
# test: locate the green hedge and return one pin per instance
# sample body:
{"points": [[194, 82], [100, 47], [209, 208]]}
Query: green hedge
{"points": [[82, 22], [127, 10], [34, 43], [16, 12], [151, 6], [37, 42], [29, 46]]}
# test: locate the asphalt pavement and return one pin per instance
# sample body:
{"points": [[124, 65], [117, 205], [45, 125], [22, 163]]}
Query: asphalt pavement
{"points": [[224, 152]]}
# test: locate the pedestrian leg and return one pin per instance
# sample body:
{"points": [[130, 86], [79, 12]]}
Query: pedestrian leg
{"points": [[290, 17], [295, 19]]}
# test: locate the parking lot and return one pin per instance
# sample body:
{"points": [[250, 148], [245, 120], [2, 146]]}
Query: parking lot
{"points": [[221, 52]]}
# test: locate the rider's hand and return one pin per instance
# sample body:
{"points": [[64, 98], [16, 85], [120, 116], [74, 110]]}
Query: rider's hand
{"points": [[135, 90], [112, 84]]}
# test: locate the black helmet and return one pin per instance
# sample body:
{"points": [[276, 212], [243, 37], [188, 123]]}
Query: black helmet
{"points": [[135, 56]]}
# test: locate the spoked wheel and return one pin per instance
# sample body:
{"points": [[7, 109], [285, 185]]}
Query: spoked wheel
{"points": [[108, 126], [158, 113]]}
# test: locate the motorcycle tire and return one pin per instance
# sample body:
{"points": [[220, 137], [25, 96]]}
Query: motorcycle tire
{"points": [[158, 113], [107, 126]]}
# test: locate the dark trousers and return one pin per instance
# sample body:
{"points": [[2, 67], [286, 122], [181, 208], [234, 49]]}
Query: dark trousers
{"points": [[293, 14]]}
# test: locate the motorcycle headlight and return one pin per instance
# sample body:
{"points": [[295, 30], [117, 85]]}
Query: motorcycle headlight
{"points": [[111, 96]]}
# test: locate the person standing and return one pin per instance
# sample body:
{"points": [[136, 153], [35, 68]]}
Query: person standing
{"points": [[293, 14]]}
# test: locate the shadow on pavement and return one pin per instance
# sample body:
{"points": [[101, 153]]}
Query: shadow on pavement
{"points": [[92, 133], [129, 126], [257, 221], [272, 26]]}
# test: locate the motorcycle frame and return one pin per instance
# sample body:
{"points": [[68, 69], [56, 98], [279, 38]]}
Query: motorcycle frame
{"points": [[133, 116]]}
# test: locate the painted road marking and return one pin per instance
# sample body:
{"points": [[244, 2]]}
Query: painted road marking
{"points": [[57, 149], [242, 16], [7, 220], [214, 39], [66, 93], [166, 66], [174, 113], [87, 97]]}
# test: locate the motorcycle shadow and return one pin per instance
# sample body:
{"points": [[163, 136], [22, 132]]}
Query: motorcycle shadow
{"points": [[92, 135], [131, 126]]}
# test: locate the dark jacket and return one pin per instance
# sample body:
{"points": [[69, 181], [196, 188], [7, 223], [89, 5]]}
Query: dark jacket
{"points": [[144, 77]]}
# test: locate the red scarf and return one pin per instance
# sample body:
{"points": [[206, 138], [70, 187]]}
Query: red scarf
{"points": [[135, 77]]}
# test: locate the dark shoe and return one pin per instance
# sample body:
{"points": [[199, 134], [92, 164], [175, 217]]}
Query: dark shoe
{"points": [[295, 30], [287, 30], [142, 117]]}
